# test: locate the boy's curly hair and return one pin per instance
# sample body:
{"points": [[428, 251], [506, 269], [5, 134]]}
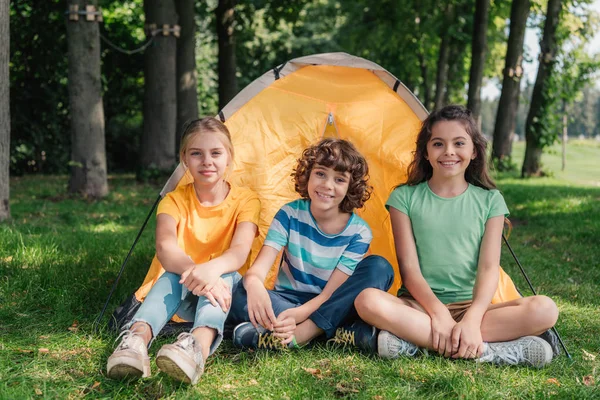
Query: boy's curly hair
{"points": [[342, 156]]}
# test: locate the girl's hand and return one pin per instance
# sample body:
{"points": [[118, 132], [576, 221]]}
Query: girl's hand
{"points": [[441, 330], [260, 309], [299, 314], [285, 327], [200, 278], [466, 340], [219, 295]]}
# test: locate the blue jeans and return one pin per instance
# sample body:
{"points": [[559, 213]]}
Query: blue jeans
{"points": [[372, 272], [169, 297]]}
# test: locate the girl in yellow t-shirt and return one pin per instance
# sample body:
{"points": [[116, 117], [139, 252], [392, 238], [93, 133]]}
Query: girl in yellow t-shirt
{"points": [[204, 233]]}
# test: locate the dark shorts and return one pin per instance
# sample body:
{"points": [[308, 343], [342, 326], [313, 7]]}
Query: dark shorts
{"points": [[457, 310]]}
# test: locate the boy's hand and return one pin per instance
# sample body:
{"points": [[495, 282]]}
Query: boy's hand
{"points": [[441, 331], [466, 340], [260, 309], [200, 278], [285, 327], [299, 314]]}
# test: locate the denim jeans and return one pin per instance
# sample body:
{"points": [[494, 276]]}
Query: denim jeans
{"points": [[169, 297], [372, 272]]}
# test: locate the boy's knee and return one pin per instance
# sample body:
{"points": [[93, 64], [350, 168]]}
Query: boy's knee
{"points": [[378, 268], [545, 311]]}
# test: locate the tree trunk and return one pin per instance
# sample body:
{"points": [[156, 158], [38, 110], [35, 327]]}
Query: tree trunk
{"points": [[509, 97], [4, 110], [540, 99], [225, 16], [444, 55], [160, 96], [88, 150], [478, 52], [187, 76]]}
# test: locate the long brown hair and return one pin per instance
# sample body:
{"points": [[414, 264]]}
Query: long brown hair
{"points": [[477, 174]]}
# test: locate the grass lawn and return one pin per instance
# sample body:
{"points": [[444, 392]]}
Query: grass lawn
{"points": [[59, 257]]}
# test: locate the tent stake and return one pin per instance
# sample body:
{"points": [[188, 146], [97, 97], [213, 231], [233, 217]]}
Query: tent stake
{"points": [[534, 293], [114, 286]]}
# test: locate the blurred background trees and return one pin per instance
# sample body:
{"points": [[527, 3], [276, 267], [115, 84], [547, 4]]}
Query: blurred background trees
{"points": [[444, 51]]}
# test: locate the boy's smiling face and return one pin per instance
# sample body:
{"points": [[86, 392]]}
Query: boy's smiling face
{"points": [[327, 187]]}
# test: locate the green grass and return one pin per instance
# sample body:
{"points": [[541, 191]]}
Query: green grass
{"points": [[60, 255]]}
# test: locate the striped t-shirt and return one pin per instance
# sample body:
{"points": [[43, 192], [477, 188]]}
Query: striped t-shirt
{"points": [[310, 255]]}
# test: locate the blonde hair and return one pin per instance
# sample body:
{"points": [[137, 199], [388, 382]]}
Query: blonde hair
{"points": [[196, 127]]}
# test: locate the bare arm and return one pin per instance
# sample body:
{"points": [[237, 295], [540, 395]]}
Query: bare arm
{"points": [[171, 256], [442, 322], [260, 309], [466, 337]]}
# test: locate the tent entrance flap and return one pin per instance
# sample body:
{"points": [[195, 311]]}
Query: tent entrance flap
{"points": [[330, 130]]}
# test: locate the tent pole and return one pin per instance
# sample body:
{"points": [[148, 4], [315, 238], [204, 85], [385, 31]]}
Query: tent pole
{"points": [[114, 286], [534, 292]]}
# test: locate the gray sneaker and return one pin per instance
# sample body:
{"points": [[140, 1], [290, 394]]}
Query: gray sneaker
{"points": [[130, 358], [529, 350], [391, 346], [182, 360]]}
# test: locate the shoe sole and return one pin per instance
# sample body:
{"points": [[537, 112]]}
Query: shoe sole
{"points": [[165, 361], [122, 367], [382, 338]]}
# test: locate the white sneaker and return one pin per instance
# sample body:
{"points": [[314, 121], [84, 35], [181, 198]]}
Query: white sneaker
{"points": [[391, 346], [182, 360], [528, 350], [130, 358]]}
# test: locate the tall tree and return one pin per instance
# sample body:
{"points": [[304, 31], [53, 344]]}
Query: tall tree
{"points": [[160, 93], [88, 152], [225, 16], [509, 97], [540, 98], [443, 57], [478, 52], [187, 76], [4, 110]]}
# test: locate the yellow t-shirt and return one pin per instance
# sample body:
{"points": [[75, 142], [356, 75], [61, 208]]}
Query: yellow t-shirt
{"points": [[203, 233]]}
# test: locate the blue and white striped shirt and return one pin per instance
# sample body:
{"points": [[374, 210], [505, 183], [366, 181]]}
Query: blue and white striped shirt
{"points": [[310, 255]]}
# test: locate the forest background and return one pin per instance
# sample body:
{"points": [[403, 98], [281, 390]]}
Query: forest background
{"points": [[426, 44]]}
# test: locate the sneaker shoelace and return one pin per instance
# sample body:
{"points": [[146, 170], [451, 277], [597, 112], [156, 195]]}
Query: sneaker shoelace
{"points": [[343, 337], [506, 354], [267, 341], [186, 342], [402, 347], [128, 337]]}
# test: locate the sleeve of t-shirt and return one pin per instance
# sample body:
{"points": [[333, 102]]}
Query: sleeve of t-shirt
{"points": [[168, 205], [355, 251], [249, 211], [278, 234], [399, 199], [497, 205]]}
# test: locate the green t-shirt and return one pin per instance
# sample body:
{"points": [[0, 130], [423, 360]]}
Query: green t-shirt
{"points": [[448, 233]]}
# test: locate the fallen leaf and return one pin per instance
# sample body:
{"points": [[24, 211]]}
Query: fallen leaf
{"points": [[553, 381], [343, 389], [7, 259], [228, 386], [378, 397], [44, 337], [95, 385], [356, 379], [43, 350], [253, 382], [588, 356], [38, 392], [588, 380], [312, 371], [24, 351]]}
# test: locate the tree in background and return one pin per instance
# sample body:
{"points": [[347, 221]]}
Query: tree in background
{"points": [[542, 93], [160, 95], [509, 97], [443, 56], [88, 152], [478, 53], [225, 18], [4, 110], [565, 69], [187, 74]]}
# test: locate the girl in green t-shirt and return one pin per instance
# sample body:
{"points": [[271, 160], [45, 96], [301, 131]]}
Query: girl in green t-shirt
{"points": [[447, 221]]}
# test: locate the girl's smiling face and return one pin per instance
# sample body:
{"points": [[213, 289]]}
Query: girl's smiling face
{"points": [[450, 149], [207, 158]]}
